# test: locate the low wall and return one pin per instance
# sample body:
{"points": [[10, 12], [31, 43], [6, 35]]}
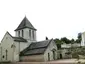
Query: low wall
{"points": [[31, 58]]}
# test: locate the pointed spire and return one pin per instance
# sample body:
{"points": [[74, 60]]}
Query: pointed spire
{"points": [[25, 24]]}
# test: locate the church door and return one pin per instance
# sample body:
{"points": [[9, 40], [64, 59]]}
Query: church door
{"points": [[60, 56], [48, 57], [54, 55]]}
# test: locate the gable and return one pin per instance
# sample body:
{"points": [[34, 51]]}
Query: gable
{"points": [[7, 40], [51, 46]]}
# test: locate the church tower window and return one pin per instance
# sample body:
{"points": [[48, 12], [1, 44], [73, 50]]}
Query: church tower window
{"points": [[22, 33], [33, 34], [19, 33], [30, 34]]}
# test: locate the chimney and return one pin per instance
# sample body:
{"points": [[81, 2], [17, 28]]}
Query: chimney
{"points": [[46, 38]]}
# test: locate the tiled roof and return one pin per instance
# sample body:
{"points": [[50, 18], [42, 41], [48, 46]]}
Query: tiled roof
{"points": [[25, 24], [35, 51], [36, 48]]}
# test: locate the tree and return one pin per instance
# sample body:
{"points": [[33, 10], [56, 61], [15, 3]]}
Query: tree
{"points": [[79, 35], [72, 41], [58, 43], [78, 40], [64, 39]]}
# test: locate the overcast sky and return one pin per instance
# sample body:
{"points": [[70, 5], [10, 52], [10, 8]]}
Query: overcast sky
{"points": [[52, 18]]}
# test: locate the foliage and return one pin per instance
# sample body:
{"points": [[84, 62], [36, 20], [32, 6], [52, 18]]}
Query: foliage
{"points": [[79, 35], [79, 38], [58, 43], [78, 51], [66, 40]]}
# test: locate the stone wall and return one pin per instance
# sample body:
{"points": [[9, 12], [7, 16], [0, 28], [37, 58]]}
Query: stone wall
{"points": [[33, 58]]}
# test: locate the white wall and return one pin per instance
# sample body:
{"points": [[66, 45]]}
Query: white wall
{"points": [[83, 39], [19, 47], [26, 34], [32, 58], [13, 53], [51, 46], [6, 43]]}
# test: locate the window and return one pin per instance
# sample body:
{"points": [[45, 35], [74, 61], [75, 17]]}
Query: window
{"points": [[33, 34], [30, 34], [19, 33], [48, 56], [3, 56], [53, 55], [6, 54], [22, 33]]}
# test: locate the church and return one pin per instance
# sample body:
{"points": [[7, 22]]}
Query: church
{"points": [[24, 46]]}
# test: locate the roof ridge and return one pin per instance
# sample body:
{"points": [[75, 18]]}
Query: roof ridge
{"points": [[42, 41]]}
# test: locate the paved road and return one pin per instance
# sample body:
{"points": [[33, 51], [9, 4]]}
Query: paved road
{"points": [[63, 61]]}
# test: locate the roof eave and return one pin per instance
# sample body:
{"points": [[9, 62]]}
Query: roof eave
{"points": [[31, 54], [25, 27], [20, 41]]}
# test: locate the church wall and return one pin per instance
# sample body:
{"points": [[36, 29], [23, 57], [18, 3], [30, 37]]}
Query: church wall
{"points": [[51, 46], [6, 43], [23, 45], [26, 34], [19, 47], [16, 51], [0, 52], [32, 58]]}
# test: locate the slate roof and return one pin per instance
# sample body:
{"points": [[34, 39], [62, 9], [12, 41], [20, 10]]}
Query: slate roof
{"points": [[36, 48], [25, 24], [19, 39]]}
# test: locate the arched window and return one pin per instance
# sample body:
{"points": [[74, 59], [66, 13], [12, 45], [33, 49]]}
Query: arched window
{"points": [[53, 55], [48, 57], [6, 54], [33, 34], [19, 33], [3, 56], [30, 34], [22, 33]]}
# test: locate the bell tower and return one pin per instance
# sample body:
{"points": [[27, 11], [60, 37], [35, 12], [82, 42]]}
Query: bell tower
{"points": [[26, 30]]}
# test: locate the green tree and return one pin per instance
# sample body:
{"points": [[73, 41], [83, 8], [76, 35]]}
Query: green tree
{"points": [[58, 43], [66, 40], [78, 40], [72, 41]]}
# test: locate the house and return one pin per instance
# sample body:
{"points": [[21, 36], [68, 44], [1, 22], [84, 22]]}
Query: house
{"points": [[83, 39], [24, 47], [65, 50]]}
